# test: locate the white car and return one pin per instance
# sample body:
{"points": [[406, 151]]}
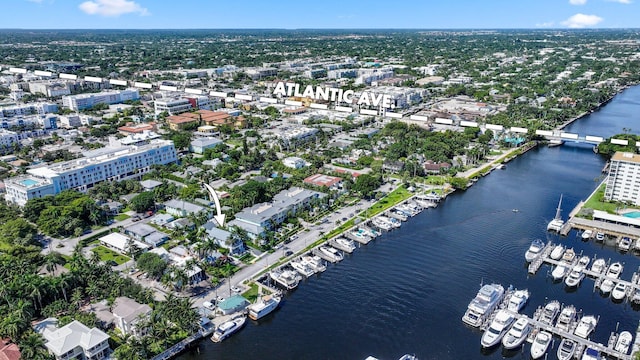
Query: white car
{"points": [[208, 305], [236, 289]]}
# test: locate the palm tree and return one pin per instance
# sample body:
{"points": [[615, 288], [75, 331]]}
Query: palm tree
{"points": [[32, 347]]}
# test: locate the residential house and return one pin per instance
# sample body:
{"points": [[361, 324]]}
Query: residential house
{"points": [[431, 167], [149, 185], [162, 219], [183, 121], [121, 243], [181, 208], [74, 340], [224, 238], [181, 257], [112, 208], [199, 145], [393, 166], [146, 233], [294, 162], [320, 180], [128, 313], [9, 351]]}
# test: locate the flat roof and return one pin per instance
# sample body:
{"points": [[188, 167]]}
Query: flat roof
{"points": [[626, 156]]}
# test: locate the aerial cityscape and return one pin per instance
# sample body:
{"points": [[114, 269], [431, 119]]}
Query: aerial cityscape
{"points": [[450, 180]]}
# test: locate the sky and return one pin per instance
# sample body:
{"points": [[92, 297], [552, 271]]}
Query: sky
{"points": [[319, 14]]}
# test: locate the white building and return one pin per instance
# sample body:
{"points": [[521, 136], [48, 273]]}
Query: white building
{"points": [[49, 88], [172, 106], [70, 121], [113, 163], [623, 182], [8, 138], [294, 162], [85, 101], [74, 340], [128, 313], [28, 109]]}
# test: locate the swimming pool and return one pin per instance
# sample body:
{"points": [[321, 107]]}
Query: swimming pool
{"points": [[633, 214], [28, 182]]}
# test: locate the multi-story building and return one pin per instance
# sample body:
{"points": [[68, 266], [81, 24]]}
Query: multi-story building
{"points": [[85, 101], [7, 138], [623, 182], [112, 163], [70, 121], [74, 340], [28, 109], [49, 88], [172, 106]]}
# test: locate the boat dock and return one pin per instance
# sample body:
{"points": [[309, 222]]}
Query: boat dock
{"points": [[339, 246], [364, 240], [323, 256]]}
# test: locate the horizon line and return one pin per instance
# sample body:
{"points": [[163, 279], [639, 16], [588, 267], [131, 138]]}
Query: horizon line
{"points": [[329, 28]]}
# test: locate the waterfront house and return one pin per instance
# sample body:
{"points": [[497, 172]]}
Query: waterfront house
{"points": [[127, 315], [146, 233], [232, 304], [224, 238], [74, 340]]}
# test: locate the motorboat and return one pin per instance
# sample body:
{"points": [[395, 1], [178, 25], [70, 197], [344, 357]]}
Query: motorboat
{"points": [[607, 286], [301, 268], [566, 318], [535, 249], [614, 270], [314, 262], [586, 326], [499, 326], [540, 344], [619, 291], [557, 222], [575, 277], [568, 256], [559, 272], [550, 312], [624, 342], [584, 261], [635, 297], [518, 300], [395, 223], [483, 304], [599, 236], [264, 306], [332, 253], [624, 244], [381, 223], [286, 278], [591, 354], [566, 349], [598, 266], [517, 335], [228, 328], [408, 357], [587, 234], [346, 243], [557, 252]]}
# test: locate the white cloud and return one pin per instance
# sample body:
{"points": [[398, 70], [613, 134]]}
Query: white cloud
{"points": [[621, 1], [577, 2], [581, 20], [112, 7]]}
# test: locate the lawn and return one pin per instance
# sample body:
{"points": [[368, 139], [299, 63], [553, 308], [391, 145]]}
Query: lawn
{"points": [[121, 217], [596, 202], [252, 293], [107, 254]]}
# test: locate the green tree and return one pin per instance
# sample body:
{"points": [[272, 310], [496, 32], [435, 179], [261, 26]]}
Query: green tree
{"points": [[366, 184], [143, 201], [152, 264]]}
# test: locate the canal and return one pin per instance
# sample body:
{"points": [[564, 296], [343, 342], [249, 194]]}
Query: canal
{"points": [[406, 291]]}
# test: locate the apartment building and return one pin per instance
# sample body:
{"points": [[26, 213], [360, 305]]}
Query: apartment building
{"points": [[113, 163], [85, 101], [623, 182]]}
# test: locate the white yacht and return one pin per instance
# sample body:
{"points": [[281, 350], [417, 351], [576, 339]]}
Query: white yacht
{"points": [[586, 326], [557, 252], [566, 349], [540, 344], [517, 334], [331, 253], [518, 300], [314, 262], [557, 222], [624, 342], [624, 244], [619, 291], [499, 326], [584, 261], [486, 300], [286, 278], [613, 272], [600, 236], [381, 224], [535, 249], [228, 328], [346, 243], [559, 272], [550, 312], [598, 266], [569, 256], [301, 268], [265, 305], [575, 277], [566, 318], [587, 234]]}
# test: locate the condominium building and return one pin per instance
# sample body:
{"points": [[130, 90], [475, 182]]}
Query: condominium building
{"points": [[49, 88], [112, 163], [7, 138], [623, 182], [85, 101], [172, 106], [28, 109]]}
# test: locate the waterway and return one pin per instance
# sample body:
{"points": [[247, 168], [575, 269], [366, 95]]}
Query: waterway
{"points": [[406, 291]]}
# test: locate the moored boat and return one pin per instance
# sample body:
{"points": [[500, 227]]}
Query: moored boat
{"points": [[569, 256], [587, 234], [550, 312], [347, 244], [557, 222], [518, 300], [619, 291], [586, 326], [517, 335], [499, 326], [591, 354], [314, 262], [286, 278], [566, 318], [574, 278], [228, 328], [624, 244], [483, 304], [540, 344], [598, 266], [559, 272], [600, 236], [557, 252], [332, 253], [566, 349], [301, 268], [624, 342], [264, 306], [535, 249]]}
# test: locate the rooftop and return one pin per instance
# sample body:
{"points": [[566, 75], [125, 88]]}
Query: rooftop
{"points": [[322, 180], [626, 156]]}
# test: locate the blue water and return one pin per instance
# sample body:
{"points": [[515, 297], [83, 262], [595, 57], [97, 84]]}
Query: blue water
{"points": [[406, 291], [633, 215], [29, 182]]}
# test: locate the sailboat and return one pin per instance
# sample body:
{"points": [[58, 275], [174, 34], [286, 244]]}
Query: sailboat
{"points": [[557, 222]]}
